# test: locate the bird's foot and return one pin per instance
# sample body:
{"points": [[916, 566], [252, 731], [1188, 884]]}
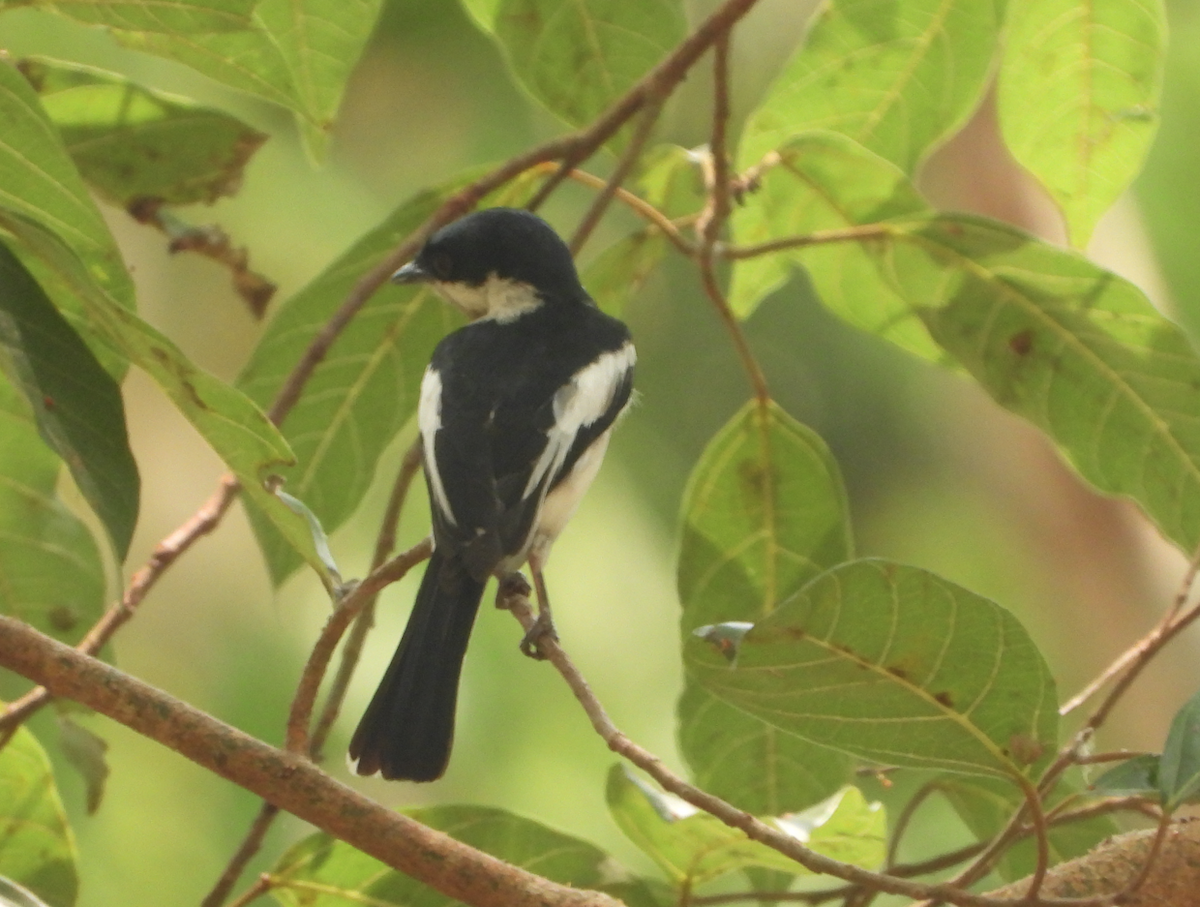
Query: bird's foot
{"points": [[542, 629], [514, 585]]}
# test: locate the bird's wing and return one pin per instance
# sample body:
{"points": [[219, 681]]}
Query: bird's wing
{"points": [[489, 469]]}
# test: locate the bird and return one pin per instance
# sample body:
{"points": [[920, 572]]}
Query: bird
{"points": [[514, 413]]}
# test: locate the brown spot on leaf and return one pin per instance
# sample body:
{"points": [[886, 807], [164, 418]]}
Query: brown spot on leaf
{"points": [[945, 699], [1021, 342], [62, 618]]}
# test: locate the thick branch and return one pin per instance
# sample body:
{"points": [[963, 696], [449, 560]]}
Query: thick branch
{"points": [[289, 781]]}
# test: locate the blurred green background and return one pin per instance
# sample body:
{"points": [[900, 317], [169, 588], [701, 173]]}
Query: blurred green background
{"points": [[937, 475]]}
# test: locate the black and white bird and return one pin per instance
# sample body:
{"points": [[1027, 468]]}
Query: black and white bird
{"points": [[515, 414]]}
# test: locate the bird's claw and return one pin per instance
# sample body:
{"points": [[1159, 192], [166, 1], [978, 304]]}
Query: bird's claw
{"points": [[542, 629]]}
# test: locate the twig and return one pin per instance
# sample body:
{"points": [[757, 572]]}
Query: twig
{"points": [[753, 828], [250, 845], [385, 544], [261, 886], [713, 219], [347, 609], [1168, 626], [1160, 835], [200, 524], [629, 158], [642, 208], [290, 781], [905, 817], [816, 238]]}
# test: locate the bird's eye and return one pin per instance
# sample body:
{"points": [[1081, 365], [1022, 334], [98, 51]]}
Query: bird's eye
{"points": [[442, 265]]}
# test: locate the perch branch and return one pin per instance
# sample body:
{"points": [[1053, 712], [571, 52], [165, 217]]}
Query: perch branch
{"points": [[291, 782]]}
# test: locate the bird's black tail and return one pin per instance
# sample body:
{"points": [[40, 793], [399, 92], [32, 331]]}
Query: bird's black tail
{"points": [[408, 728]]}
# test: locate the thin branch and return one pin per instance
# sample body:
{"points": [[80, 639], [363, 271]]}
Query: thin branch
{"points": [[713, 219], [905, 817], [290, 781], [1160, 835], [251, 844], [385, 544], [657, 83], [629, 158], [261, 886], [1170, 624], [743, 821], [817, 238], [347, 609], [643, 209], [200, 524]]}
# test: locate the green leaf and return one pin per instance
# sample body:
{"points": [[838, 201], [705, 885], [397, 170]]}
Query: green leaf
{"points": [[578, 56], [821, 182], [1096, 70], [1073, 348], [895, 665], [37, 849], [365, 389], [53, 576], [987, 805], [483, 12], [1136, 777], [76, 403], [897, 76], [692, 847], [298, 54], [87, 753], [131, 143], [616, 275], [39, 181], [323, 872], [764, 512], [161, 15], [749, 763], [1179, 769], [233, 426], [320, 41]]}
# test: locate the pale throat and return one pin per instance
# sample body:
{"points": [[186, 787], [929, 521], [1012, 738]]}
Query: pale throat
{"points": [[497, 298]]}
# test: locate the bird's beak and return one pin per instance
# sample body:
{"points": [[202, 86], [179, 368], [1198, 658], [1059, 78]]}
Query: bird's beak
{"points": [[411, 273]]}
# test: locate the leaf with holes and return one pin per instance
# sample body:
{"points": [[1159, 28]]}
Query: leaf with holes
{"points": [[897, 76], [77, 405], [37, 849], [578, 56], [321, 871], [692, 847], [131, 143], [1075, 349], [52, 569], [894, 665], [764, 512], [1096, 70], [822, 182]]}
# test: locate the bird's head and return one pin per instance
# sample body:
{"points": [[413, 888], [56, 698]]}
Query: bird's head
{"points": [[497, 263]]}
